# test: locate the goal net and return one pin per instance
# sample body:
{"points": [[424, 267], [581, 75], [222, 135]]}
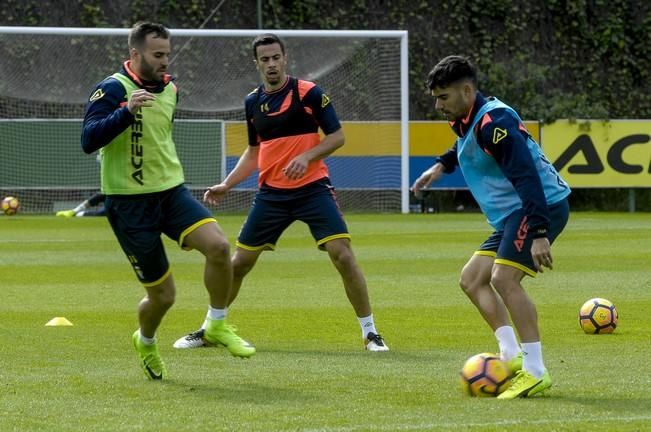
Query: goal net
{"points": [[49, 73]]}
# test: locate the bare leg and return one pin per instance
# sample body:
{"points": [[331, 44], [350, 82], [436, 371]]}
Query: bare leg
{"points": [[243, 262], [218, 273], [154, 305], [476, 284], [507, 282], [344, 260]]}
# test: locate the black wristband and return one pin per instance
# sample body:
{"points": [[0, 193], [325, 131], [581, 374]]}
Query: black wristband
{"points": [[539, 233]]}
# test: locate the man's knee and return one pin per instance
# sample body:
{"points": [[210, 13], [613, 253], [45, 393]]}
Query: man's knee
{"points": [[218, 249], [167, 299], [163, 295], [505, 280], [470, 278], [475, 276], [468, 281], [340, 251]]}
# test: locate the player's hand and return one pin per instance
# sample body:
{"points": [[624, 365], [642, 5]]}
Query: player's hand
{"points": [[297, 167], [140, 98], [427, 178], [215, 194], [541, 254]]}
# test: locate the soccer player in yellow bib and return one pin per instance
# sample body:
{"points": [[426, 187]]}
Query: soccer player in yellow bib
{"points": [[129, 120]]}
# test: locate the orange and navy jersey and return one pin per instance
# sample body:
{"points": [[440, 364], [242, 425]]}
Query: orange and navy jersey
{"points": [[285, 123]]}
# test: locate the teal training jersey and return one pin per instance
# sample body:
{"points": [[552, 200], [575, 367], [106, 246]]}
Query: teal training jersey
{"points": [[143, 159], [494, 193]]}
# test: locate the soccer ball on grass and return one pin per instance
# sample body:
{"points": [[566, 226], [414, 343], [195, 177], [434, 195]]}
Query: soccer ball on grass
{"points": [[485, 374], [598, 316], [10, 205]]}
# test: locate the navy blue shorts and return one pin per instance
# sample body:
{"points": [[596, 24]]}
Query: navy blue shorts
{"points": [[510, 247], [273, 210], [139, 220]]}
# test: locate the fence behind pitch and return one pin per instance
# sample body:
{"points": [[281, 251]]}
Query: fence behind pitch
{"points": [[363, 72]]}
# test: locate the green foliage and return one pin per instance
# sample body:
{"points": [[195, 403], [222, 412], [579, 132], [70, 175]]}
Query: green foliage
{"points": [[21, 13], [92, 14], [553, 59]]}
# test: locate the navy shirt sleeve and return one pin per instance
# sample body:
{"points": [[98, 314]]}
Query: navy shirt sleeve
{"points": [[107, 115], [502, 136], [322, 110], [449, 159]]}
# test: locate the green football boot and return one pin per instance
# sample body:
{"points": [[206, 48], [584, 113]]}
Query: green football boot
{"points": [[217, 332], [524, 385], [150, 360], [515, 364], [66, 213]]}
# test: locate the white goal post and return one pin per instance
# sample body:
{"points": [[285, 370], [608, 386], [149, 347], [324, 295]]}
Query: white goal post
{"points": [[364, 72]]}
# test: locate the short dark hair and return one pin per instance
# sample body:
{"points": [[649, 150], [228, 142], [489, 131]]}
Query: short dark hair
{"points": [[451, 69], [141, 29], [266, 39]]}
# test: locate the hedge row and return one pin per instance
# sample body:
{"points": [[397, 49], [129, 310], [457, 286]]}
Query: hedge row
{"points": [[551, 59]]}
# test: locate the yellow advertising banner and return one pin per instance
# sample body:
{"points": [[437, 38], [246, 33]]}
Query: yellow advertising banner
{"points": [[433, 138], [362, 139], [426, 138], [596, 154]]}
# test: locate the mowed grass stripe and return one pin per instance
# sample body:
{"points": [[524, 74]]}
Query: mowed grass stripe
{"points": [[311, 372]]}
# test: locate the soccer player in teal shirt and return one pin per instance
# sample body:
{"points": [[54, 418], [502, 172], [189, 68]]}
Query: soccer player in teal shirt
{"points": [[525, 201], [129, 120]]}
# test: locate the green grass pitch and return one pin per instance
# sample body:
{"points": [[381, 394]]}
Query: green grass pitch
{"points": [[311, 372]]}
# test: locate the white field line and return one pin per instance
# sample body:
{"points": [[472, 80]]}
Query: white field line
{"points": [[450, 425]]}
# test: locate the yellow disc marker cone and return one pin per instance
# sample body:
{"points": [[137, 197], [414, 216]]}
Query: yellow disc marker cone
{"points": [[58, 321]]}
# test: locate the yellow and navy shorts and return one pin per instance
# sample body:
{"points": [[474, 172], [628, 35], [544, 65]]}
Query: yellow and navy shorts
{"points": [[138, 222], [512, 245], [273, 210]]}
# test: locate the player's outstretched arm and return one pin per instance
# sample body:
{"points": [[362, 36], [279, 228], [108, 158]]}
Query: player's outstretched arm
{"points": [[428, 177], [246, 165]]}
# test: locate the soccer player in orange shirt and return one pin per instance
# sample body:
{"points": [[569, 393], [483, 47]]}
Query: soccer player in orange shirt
{"points": [[283, 117]]}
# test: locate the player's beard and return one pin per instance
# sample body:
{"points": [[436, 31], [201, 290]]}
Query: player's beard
{"points": [[149, 72]]}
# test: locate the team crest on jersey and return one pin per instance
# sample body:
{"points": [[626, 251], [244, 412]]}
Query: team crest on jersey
{"points": [[499, 135], [99, 93], [325, 100], [264, 107]]}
